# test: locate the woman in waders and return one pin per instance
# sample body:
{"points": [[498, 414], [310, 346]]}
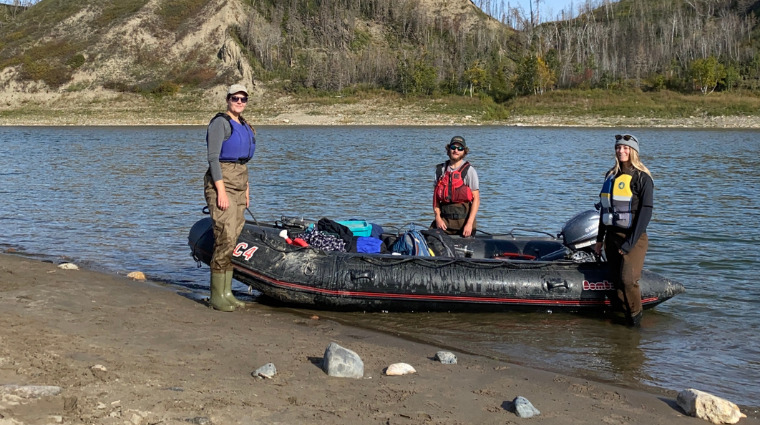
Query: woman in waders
{"points": [[230, 142], [627, 201]]}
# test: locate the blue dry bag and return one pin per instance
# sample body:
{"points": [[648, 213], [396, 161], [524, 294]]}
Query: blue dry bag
{"points": [[412, 243]]}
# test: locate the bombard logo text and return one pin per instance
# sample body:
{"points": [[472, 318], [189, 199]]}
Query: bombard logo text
{"points": [[597, 286]]}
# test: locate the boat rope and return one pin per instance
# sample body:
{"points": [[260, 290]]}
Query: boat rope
{"points": [[468, 262], [252, 216]]}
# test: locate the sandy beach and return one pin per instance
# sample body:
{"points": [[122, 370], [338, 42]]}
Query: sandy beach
{"points": [[131, 352]]}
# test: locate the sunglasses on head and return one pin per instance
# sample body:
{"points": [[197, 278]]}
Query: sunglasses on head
{"points": [[625, 137], [456, 148], [242, 99]]}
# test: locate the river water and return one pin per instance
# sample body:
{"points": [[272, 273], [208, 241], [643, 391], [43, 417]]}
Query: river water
{"points": [[119, 199]]}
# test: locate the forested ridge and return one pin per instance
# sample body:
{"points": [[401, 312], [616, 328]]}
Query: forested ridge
{"points": [[680, 45], [412, 47]]}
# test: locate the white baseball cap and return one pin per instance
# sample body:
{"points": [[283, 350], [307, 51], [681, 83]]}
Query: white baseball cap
{"points": [[237, 88]]}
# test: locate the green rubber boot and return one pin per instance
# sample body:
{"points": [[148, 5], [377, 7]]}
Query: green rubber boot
{"points": [[228, 291], [217, 300]]}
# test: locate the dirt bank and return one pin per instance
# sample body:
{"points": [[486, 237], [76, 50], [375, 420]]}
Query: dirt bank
{"points": [[128, 352]]}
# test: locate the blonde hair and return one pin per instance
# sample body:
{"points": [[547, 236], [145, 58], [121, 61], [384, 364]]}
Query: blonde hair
{"points": [[635, 161]]}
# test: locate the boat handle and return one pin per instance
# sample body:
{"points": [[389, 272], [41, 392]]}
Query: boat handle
{"points": [[362, 275], [556, 283]]}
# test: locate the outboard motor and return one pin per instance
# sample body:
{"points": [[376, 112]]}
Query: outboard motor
{"points": [[579, 233]]}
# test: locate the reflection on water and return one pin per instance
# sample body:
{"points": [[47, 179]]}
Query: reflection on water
{"points": [[123, 199]]}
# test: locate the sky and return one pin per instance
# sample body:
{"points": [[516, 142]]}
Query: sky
{"points": [[553, 8], [23, 2], [548, 9]]}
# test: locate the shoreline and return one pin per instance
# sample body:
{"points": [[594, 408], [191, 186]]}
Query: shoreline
{"points": [[74, 110], [132, 352], [268, 106], [308, 120]]}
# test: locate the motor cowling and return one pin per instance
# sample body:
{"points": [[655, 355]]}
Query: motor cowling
{"points": [[579, 233]]}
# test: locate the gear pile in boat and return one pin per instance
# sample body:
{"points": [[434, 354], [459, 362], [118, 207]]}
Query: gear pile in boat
{"points": [[355, 265], [359, 236]]}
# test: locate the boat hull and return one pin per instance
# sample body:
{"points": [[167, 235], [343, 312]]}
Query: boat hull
{"points": [[379, 282]]}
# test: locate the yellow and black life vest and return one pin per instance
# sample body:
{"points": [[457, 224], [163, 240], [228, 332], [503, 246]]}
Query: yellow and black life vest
{"points": [[618, 201]]}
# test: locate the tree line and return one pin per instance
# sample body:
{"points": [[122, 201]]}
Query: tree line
{"points": [[684, 45], [391, 44], [474, 48], [679, 45]]}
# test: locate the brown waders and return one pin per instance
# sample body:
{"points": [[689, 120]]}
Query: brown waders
{"points": [[227, 227], [455, 216], [625, 271]]}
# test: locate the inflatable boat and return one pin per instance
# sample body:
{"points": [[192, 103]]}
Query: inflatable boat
{"points": [[485, 273]]}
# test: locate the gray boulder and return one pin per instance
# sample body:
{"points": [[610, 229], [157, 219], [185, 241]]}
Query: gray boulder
{"points": [[267, 371], [523, 407], [446, 357], [342, 362]]}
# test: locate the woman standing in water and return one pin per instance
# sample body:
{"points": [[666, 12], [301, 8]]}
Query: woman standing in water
{"points": [[230, 143], [627, 202]]}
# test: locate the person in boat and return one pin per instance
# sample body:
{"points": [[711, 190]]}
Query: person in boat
{"points": [[230, 142], [627, 202], [456, 197]]}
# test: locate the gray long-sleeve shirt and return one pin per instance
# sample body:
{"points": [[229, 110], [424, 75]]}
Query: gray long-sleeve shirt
{"points": [[218, 131]]}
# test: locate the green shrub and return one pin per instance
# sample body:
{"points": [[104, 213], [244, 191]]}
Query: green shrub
{"points": [[119, 86], [494, 111], [417, 76], [15, 36], [120, 9], [53, 74], [655, 82], [164, 88], [76, 61], [52, 62], [198, 76], [77, 87], [195, 70], [175, 13], [360, 41]]}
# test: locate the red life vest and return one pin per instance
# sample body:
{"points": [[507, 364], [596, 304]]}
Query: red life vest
{"points": [[450, 188]]}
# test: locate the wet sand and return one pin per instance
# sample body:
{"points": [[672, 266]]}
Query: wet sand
{"points": [[131, 352]]}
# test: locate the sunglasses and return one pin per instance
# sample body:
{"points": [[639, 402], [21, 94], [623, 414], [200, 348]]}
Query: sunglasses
{"points": [[239, 99], [456, 148], [625, 137]]}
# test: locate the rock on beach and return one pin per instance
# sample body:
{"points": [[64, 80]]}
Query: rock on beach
{"points": [[136, 275], [446, 357], [399, 369], [524, 408], [265, 372], [30, 391], [709, 407], [342, 362]]}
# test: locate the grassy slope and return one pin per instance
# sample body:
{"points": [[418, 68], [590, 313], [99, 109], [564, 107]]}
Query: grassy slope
{"points": [[586, 108], [663, 104]]}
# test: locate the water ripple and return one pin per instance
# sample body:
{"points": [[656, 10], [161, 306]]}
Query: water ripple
{"points": [[121, 199]]}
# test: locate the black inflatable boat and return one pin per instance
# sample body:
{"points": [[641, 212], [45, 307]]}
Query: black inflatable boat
{"points": [[483, 273]]}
